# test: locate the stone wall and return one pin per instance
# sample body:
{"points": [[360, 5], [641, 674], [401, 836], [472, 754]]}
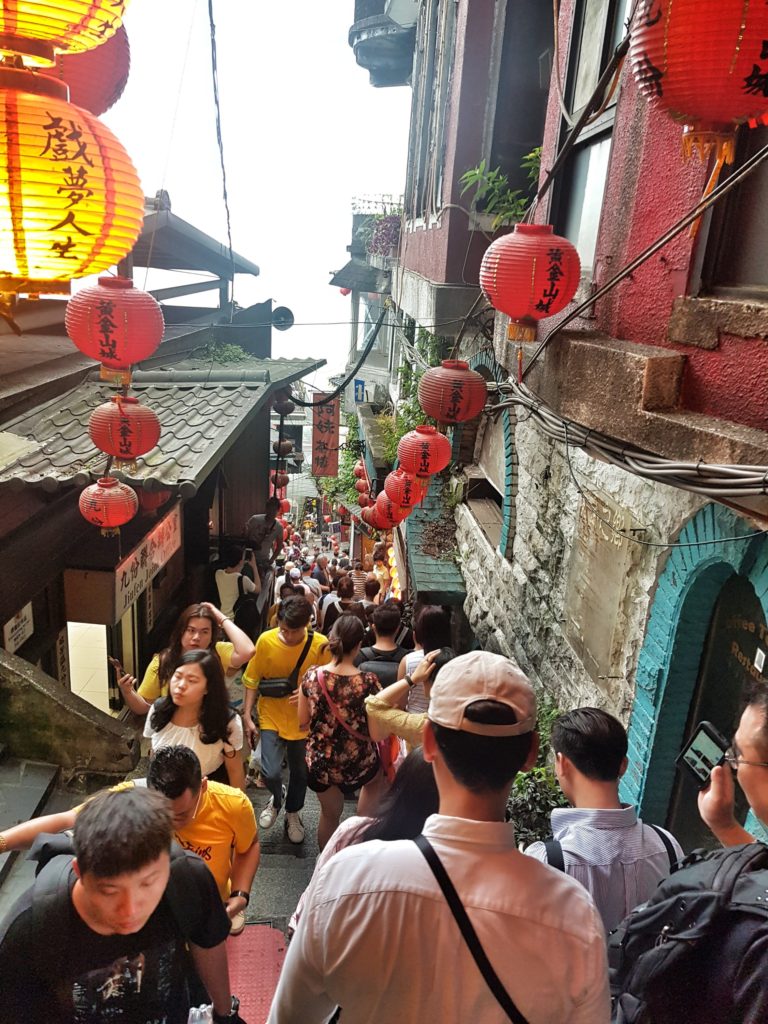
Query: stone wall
{"points": [[517, 606]]}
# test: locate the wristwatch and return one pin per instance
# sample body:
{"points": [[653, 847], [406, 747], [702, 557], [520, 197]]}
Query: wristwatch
{"points": [[408, 680], [241, 892], [227, 1018]]}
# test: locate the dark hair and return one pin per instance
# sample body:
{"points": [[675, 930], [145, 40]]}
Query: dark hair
{"points": [[372, 587], [386, 620], [483, 764], [294, 612], [231, 555], [168, 658], [406, 805], [756, 696], [305, 567], [215, 714], [593, 740], [174, 770], [347, 632], [443, 656], [432, 628], [272, 507], [357, 608], [286, 586], [345, 588], [358, 565], [121, 831]]}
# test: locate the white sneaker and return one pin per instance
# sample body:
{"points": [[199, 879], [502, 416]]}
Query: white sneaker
{"points": [[268, 816], [294, 826], [238, 923]]}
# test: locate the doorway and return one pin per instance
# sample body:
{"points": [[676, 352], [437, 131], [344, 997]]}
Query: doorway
{"points": [[88, 665]]}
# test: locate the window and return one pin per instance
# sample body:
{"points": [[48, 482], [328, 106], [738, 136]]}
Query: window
{"points": [[599, 26]]}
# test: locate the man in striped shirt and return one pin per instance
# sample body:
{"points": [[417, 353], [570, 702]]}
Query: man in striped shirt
{"points": [[359, 576], [599, 841]]}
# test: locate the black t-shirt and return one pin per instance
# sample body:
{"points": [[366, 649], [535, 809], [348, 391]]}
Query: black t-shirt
{"points": [[69, 974]]}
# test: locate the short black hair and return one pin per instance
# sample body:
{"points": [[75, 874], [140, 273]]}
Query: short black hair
{"points": [[386, 620], [594, 741], [483, 764], [272, 506], [121, 831], [294, 612], [231, 555], [432, 628], [174, 770], [372, 587]]}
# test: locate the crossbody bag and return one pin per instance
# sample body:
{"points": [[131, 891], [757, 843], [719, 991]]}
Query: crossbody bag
{"points": [[388, 749], [284, 686], [468, 932]]}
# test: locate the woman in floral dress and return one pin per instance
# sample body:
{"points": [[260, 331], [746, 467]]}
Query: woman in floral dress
{"points": [[341, 756]]}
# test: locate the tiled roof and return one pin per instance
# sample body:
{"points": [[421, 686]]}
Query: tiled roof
{"points": [[435, 580], [200, 420]]}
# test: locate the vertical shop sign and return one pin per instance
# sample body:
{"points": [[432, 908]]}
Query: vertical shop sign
{"points": [[325, 437], [136, 571], [62, 657]]}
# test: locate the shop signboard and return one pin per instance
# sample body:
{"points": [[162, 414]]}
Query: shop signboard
{"points": [[137, 570], [325, 436], [19, 629]]}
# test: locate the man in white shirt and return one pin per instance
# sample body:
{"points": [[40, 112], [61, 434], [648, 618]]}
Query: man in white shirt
{"points": [[232, 562], [599, 841], [377, 936]]}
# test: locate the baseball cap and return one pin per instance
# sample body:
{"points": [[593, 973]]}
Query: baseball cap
{"points": [[295, 574], [476, 676]]}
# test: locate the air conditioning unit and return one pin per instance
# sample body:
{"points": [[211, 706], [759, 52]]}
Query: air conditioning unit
{"points": [[403, 12]]}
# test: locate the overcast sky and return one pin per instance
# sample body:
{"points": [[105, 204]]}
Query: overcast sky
{"points": [[303, 130]]}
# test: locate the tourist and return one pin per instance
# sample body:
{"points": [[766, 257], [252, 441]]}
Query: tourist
{"points": [[431, 631], [230, 581], [265, 535]]}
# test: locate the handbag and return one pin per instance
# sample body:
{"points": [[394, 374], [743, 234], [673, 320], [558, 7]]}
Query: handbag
{"points": [[468, 932], [384, 748], [284, 686]]}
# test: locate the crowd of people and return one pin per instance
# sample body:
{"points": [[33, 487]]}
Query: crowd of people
{"points": [[421, 903]]}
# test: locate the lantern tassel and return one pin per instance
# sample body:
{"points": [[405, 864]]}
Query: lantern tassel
{"points": [[722, 158]]}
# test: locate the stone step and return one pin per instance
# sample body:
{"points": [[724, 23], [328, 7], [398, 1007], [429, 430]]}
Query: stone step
{"points": [[24, 789]]}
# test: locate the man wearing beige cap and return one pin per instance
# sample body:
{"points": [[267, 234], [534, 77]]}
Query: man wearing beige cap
{"points": [[518, 940]]}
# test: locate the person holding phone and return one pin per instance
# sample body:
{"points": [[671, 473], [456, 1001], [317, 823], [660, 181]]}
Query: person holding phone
{"points": [[230, 577], [197, 629]]}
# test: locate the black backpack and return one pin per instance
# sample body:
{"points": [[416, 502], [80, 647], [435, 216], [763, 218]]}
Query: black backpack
{"points": [[383, 664], [246, 613], [658, 958]]}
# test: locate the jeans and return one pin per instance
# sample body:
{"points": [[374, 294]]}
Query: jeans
{"points": [[273, 749]]}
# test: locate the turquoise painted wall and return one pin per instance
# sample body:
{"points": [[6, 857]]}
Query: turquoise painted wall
{"points": [[717, 545]]}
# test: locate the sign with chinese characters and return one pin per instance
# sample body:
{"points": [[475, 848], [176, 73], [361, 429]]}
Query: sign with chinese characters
{"points": [[137, 569], [325, 437], [61, 655], [359, 390], [19, 629]]}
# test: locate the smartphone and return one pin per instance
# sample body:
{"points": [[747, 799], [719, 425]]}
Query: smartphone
{"points": [[248, 554], [120, 671], [704, 751]]}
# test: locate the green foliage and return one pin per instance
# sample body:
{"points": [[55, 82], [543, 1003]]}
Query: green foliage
{"points": [[493, 194], [535, 793], [223, 354]]}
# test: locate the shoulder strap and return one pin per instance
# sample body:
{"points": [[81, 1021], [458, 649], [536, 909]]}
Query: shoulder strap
{"points": [[240, 587], [555, 857], [667, 846], [335, 711], [293, 678], [468, 932], [50, 898]]}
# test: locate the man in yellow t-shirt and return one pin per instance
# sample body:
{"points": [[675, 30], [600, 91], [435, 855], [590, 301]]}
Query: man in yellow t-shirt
{"points": [[212, 820], [277, 652]]}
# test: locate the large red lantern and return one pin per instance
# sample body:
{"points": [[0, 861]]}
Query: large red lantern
{"points": [[280, 480], [530, 274], [96, 78], [388, 511], [451, 392], [405, 489], [285, 505], [705, 62], [151, 501], [364, 501], [124, 428], [343, 510], [109, 504], [359, 471], [284, 408], [114, 322], [424, 451], [362, 486], [37, 28]]}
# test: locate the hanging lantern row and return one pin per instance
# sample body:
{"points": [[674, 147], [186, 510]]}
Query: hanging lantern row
{"points": [[452, 393], [424, 451], [405, 489], [96, 78], [124, 429], [38, 29], [115, 323]]}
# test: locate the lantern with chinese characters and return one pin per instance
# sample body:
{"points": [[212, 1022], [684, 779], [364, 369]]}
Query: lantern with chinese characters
{"points": [[388, 511], [282, 448], [405, 489], [114, 322], [424, 451], [123, 428], [529, 275], [451, 392], [96, 78], [36, 29], [280, 480], [364, 501], [285, 506], [72, 204], [705, 62], [359, 471], [109, 504], [151, 501]]}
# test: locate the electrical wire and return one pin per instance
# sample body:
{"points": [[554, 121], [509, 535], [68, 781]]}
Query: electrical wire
{"points": [[220, 143]]}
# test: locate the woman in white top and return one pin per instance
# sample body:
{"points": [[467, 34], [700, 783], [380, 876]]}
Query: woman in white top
{"points": [[431, 631], [196, 714]]}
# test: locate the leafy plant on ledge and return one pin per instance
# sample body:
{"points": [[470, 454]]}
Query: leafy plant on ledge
{"points": [[535, 793], [493, 194]]}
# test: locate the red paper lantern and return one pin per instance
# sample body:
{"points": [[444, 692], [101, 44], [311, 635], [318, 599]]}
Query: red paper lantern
{"points": [[96, 78], [359, 471], [124, 428], [284, 408], [108, 504], [364, 501], [530, 274], [36, 28], [345, 291], [704, 63], [151, 501], [388, 511], [285, 505], [362, 486], [114, 322], [280, 480], [343, 510], [424, 451], [405, 489], [452, 393], [326, 519], [282, 448]]}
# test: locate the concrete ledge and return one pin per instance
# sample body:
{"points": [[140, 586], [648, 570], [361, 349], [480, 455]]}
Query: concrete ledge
{"points": [[701, 321], [431, 303], [41, 721]]}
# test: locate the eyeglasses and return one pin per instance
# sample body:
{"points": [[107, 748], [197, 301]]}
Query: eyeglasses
{"points": [[734, 760]]}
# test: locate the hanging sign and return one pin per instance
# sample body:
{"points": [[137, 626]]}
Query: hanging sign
{"points": [[359, 390], [135, 572], [325, 437], [19, 629]]}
